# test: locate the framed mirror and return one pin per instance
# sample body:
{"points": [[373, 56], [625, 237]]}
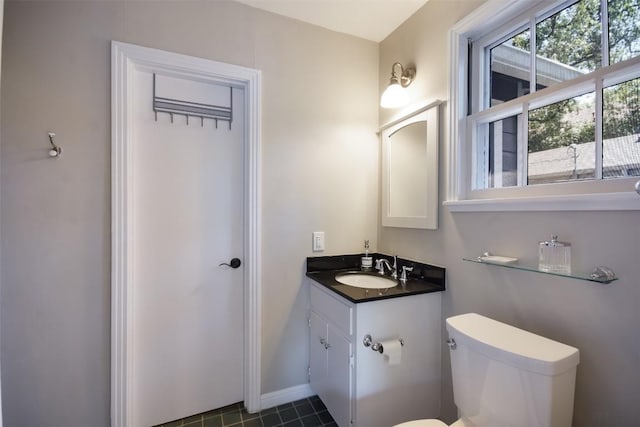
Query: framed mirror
{"points": [[410, 170]]}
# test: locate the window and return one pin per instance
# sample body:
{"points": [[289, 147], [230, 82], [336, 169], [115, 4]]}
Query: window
{"points": [[547, 101]]}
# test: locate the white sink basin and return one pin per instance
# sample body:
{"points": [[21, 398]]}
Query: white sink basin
{"points": [[366, 281]]}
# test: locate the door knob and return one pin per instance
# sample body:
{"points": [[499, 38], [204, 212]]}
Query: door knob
{"points": [[234, 263]]}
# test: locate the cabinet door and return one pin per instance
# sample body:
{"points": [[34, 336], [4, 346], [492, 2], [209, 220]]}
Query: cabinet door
{"points": [[339, 377], [317, 355]]}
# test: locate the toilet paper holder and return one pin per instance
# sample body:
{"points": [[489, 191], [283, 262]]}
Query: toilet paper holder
{"points": [[376, 346]]}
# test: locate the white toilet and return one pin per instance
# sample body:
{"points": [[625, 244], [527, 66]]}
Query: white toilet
{"points": [[506, 377]]}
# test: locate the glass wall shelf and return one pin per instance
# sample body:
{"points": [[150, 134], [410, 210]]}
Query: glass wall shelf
{"points": [[517, 266]]}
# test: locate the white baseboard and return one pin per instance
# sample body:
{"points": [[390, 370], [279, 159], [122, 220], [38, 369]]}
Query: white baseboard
{"points": [[279, 397]]}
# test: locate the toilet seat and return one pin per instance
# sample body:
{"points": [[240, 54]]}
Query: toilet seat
{"points": [[422, 423]]}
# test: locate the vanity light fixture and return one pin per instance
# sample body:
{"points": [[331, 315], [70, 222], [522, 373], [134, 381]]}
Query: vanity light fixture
{"points": [[395, 94]]}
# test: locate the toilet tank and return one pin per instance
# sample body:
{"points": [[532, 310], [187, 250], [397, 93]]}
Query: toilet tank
{"points": [[505, 376]]}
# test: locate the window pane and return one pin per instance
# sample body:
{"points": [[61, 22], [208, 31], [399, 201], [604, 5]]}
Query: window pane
{"points": [[510, 68], [568, 43], [624, 29], [503, 152], [621, 130], [562, 141]]}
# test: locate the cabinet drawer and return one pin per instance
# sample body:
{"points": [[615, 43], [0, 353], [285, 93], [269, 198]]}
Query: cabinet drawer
{"points": [[332, 310]]}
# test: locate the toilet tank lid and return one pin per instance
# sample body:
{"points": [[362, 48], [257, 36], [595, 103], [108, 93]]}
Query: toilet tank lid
{"points": [[511, 345]]}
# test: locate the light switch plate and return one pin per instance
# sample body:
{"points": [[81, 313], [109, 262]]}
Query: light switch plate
{"points": [[318, 241]]}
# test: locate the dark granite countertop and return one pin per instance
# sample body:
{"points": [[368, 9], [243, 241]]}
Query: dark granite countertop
{"points": [[424, 278]]}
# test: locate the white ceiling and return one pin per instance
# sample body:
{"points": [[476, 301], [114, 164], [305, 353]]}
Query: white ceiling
{"points": [[369, 19]]}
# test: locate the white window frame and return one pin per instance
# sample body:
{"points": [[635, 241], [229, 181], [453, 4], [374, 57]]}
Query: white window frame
{"points": [[615, 194]]}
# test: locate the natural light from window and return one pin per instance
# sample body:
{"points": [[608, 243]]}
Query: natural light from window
{"points": [[555, 99]]}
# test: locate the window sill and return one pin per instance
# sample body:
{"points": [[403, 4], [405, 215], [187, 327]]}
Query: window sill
{"points": [[623, 201]]}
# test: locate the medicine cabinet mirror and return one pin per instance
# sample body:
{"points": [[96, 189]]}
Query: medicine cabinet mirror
{"points": [[410, 170]]}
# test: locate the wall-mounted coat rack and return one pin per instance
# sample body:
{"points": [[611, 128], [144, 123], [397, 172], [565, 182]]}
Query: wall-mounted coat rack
{"points": [[165, 101]]}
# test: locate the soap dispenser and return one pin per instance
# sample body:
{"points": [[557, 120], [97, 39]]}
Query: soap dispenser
{"points": [[554, 256], [366, 262]]}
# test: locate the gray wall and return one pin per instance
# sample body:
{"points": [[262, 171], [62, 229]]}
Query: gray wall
{"points": [[319, 150], [1, 24], [601, 320]]}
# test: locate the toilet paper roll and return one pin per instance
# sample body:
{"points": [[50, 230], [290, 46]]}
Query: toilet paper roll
{"points": [[392, 351]]}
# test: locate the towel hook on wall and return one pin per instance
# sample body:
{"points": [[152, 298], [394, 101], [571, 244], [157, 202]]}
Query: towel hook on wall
{"points": [[55, 150]]}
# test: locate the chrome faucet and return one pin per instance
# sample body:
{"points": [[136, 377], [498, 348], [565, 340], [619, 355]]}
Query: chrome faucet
{"points": [[405, 269], [394, 272], [380, 263]]}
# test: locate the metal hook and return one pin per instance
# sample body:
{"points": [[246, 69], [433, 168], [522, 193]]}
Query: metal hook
{"points": [[55, 151]]}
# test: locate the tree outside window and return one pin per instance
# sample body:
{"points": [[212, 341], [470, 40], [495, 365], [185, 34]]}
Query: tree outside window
{"points": [[561, 136]]}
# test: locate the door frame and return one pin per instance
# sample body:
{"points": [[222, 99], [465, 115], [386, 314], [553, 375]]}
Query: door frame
{"points": [[125, 59]]}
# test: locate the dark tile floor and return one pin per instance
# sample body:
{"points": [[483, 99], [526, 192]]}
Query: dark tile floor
{"points": [[301, 413]]}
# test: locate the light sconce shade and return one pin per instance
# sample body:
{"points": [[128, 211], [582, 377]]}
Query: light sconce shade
{"points": [[395, 94]]}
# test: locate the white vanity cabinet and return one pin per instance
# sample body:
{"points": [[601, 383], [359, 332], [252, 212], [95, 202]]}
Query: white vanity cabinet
{"points": [[331, 354], [358, 385]]}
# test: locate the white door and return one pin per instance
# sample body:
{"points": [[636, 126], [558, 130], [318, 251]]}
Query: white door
{"points": [[318, 355], [338, 392], [187, 311], [330, 368]]}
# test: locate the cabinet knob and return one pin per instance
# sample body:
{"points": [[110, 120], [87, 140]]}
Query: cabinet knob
{"points": [[327, 346], [323, 341]]}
